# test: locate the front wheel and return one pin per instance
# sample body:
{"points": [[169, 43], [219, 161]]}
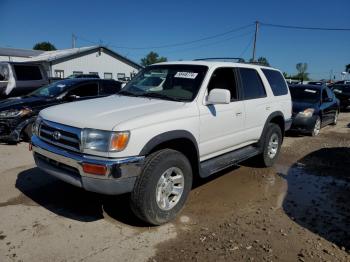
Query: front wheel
{"points": [[162, 188], [271, 146]]}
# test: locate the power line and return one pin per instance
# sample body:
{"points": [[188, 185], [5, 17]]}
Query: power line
{"points": [[304, 27], [247, 47], [175, 44]]}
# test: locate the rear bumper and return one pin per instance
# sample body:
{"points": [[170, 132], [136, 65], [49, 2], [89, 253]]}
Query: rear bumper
{"points": [[67, 166]]}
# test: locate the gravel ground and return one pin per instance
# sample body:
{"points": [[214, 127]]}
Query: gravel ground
{"points": [[298, 210]]}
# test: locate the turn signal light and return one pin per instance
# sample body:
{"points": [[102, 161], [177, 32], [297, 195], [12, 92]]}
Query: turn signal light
{"points": [[94, 169], [119, 141]]}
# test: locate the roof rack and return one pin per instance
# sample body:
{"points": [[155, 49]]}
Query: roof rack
{"points": [[224, 59]]}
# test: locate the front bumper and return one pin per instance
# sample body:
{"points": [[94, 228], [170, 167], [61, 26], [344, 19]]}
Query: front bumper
{"points": [[67, 166], [303, 124]]}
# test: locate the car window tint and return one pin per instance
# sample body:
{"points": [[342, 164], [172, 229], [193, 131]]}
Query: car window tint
{"points": [[224, 78], [252, 84], [26, 72], [276, 81], [84, 90], [324, 94], [109, 87]]}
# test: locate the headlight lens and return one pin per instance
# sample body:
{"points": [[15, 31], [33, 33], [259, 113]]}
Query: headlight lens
{"points": [[15, 113], [104, 141], [307, 112], [36, 126]]}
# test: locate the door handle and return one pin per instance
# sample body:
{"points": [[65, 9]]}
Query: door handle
{"points": [[267, 108], [238, 113]]}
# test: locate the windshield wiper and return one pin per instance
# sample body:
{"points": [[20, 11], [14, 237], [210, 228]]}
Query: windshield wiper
{"points": [[161, 96]]}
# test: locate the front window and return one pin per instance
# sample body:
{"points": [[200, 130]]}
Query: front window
{"points": [[169, 82], [305, 95]]}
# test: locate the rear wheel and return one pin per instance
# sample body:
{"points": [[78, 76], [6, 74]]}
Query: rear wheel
{"points": [[317, 127], [271, 146], [162, 188]]}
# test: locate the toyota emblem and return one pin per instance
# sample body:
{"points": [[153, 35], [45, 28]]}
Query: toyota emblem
{"points": [[56, 135]]}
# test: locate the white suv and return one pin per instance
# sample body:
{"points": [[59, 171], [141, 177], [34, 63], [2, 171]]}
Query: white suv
{"points": [[154, 137]]}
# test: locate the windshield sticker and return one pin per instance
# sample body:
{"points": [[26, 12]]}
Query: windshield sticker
{"points": [[61, 85], [310, 91], [189, 75]]}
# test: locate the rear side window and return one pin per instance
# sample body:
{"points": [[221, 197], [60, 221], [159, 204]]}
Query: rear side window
{"points": [[26, 72], [85, 90], [109, 87], [276, 81], [252, 84]]}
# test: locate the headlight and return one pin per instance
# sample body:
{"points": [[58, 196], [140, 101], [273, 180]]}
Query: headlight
{"points": [[307, 112], [36, 126], [15, 113], [104, 141]]}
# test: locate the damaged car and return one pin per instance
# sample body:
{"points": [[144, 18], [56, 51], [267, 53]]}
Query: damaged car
{"points": [[17, 114]]}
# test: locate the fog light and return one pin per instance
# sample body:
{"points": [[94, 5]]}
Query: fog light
{"points": [[94, 169]]}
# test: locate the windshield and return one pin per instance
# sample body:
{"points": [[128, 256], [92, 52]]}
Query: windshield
{"points": [[306, 95], [169, 82], [52, 90]]}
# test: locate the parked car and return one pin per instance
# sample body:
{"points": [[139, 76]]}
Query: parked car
{"points": [[19, 78], [206, 116], [84, 76], [342, 92], [17, 114], [313, 108]]}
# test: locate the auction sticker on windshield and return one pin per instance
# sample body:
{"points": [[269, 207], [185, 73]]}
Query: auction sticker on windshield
{"points": [[189, 75]]}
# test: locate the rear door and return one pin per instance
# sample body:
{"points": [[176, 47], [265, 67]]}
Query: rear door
{"points": [[257, 104]]}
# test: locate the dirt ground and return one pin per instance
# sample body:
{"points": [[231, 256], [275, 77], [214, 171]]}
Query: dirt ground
{"points": [[298, 210]]}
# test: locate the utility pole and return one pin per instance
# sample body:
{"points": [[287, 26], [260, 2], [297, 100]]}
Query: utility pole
{"points": [[255, 36], [74, 39]]}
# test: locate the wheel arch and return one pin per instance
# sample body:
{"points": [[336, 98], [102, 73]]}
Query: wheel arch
{"points": [[277, 118], [180, 140]]}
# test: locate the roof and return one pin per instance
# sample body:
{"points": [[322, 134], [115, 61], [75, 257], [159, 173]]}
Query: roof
{"points": [[5, 51], [62, 54], [211, 63]]}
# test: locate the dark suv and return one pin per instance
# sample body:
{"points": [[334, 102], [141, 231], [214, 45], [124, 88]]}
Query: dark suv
{"points": [[17, 114]]}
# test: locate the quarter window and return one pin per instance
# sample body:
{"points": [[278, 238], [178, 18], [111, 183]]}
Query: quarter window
{"points": [[84, 90], [252, 85], [276, 81], [26, 72]]}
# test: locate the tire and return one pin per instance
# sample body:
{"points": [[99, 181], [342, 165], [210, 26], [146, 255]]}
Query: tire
{"points": [[155, 184], [27, 132], [271, 146], [335, 119], [317, 127]]}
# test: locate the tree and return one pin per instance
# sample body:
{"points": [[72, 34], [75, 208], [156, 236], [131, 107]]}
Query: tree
{"points": [[45, 46], [347, 68], [261, 60], [302, 74], [152, 58]]}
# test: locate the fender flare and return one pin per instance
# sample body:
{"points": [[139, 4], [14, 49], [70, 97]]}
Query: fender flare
{"points": [[268, 120], [168, 136]]}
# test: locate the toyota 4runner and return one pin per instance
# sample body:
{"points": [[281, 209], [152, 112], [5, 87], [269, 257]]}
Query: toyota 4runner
{"points": [[173, 123]]}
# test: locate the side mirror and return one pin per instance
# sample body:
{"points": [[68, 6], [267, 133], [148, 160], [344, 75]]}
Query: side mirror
{"points": [[219, 96]]}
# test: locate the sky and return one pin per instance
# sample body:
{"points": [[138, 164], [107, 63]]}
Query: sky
{"points": [[153, 24]]}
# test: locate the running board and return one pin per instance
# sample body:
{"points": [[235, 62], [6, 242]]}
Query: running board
{"points": [[219, 163]]}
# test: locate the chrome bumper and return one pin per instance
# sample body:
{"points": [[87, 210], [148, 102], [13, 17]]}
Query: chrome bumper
{"points": [[67, 166]]}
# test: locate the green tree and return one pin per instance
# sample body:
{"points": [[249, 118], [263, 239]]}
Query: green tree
{"points": [[261, 61], [45, 46], [152, 58], [302, 71], [347, 68]]}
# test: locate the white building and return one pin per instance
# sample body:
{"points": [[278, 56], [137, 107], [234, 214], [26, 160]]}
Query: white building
{"points": [[85, 60]]}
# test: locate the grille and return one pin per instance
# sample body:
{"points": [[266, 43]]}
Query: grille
{"points": [[60, 135]]}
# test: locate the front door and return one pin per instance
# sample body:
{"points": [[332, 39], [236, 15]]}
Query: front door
{"points": [[221, 125]]}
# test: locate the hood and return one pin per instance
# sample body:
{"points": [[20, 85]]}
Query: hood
{"points": [[108, 112], [20, 102], [301, 106]]}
